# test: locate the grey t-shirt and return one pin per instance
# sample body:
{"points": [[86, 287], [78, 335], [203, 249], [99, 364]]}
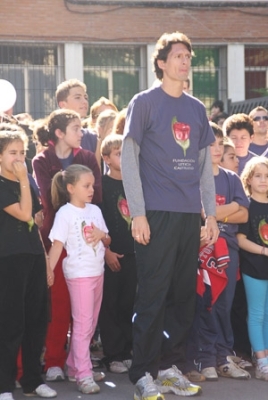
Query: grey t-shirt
{"points": [[170, 132]]}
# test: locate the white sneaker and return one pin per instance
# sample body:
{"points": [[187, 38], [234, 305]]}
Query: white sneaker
{"points": [[6, 396], [232, 370], [171, 380], [98, 376], [87, 386], [117, 367], [210, 373], [55, 374], [42, 391], [244, 364], [261, 372], [146, 388]]}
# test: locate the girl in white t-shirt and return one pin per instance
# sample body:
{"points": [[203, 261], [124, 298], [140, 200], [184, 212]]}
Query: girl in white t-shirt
{"points": [[80, 228]]}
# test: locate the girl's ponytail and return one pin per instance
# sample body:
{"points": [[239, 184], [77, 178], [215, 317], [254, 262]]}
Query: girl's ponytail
{"points": [[41, 132], [59, 193]]}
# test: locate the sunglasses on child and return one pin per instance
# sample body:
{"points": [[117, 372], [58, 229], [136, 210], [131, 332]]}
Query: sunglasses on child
{"points": [[263, 117]]}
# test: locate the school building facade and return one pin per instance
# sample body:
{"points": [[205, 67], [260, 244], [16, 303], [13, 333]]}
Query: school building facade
{"points": [[108, 45]]}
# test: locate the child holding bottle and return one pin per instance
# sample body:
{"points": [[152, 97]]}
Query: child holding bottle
{"points": [[23, 279]]}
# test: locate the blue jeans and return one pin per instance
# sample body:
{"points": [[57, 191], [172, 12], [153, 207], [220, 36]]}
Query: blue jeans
{"points": [[215, 330], [221, 311], [257, 299]]}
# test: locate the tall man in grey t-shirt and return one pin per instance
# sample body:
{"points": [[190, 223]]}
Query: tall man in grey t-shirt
{"points": [[165, 166]]}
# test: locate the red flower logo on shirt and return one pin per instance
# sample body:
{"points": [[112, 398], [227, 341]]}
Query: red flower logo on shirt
{"points": [[86, 230], [124, 210], [220, 200], [263, 231], [181, 133]]}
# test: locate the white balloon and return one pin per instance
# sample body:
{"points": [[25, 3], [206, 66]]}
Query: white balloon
{"points": [[8, 95]]}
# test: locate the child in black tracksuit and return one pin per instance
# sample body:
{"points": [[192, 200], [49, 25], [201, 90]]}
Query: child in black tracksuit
{"points": [[24, 274], [120, 279]]}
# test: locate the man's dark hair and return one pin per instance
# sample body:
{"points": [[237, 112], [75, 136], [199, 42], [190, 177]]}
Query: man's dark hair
{"points": [[163, 47]]}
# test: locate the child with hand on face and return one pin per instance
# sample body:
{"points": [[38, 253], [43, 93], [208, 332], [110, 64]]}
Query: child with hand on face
{"points": [[23, 277]]}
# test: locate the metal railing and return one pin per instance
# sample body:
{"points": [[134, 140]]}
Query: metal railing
{"points": [[247, 105]]}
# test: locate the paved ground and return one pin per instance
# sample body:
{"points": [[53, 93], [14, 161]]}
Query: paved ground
{"points": [[118, 387]]}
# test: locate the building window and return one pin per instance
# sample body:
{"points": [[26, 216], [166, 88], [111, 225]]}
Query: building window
{"points": [[117, 73], [209, 74], [256, 71], [35, 72]]}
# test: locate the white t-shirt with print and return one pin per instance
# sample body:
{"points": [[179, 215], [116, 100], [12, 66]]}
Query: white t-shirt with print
{"points": [[70, 227]]}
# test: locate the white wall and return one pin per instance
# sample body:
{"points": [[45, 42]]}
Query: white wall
{"points": [[236, 72], [73, 61], [150, 74]]}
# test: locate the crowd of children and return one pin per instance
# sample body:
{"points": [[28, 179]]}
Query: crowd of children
{"points": [[85, 252]]}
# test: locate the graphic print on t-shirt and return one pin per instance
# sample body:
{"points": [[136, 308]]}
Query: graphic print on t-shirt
{"points": [[124, 210], [220, 200], [181, 133], [263, 231], [86, 230]]}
